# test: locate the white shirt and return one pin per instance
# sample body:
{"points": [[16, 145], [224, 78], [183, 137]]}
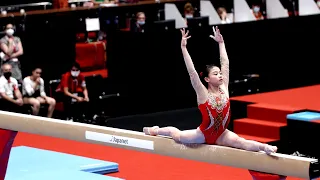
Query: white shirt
{"points": [[227, 21], [8, 86], [28, 87]]}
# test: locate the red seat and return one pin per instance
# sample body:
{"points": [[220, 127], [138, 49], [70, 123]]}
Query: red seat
{"points": [[92, 58], [81, 37]]}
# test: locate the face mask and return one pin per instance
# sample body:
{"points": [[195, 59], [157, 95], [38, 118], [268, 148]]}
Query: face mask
{"points": [[141, 22], [10, 32], [189, 16], [75, 73], [318, 2], [256, 9], [7, 75]]}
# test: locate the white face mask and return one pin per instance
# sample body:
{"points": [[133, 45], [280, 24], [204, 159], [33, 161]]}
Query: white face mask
{"points": [[256, 9], [141, 22], [189, 16], [318, 2], [75, 73], [10, 32]]}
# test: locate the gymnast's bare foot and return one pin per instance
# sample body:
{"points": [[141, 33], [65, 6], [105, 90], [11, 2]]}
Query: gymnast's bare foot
{"points": [[270, 149], [150, 130]]}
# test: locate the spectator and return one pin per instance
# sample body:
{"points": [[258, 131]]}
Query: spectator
{"points": [[75, 92], [10, 95], [88, 4], [139, 25], [224, 15], [11, 47], [257, 12], [34, 93], [188, 11]]}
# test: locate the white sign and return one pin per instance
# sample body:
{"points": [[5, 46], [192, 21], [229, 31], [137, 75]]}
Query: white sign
{"points": [[125, 141], [92, 24]]}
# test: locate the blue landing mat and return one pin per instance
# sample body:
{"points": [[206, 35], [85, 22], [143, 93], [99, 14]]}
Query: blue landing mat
{"points": [[61, 175], [26, 162], [304, 116]]}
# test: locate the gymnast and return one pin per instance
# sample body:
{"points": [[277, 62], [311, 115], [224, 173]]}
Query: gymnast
{"points": [[213, 103]]}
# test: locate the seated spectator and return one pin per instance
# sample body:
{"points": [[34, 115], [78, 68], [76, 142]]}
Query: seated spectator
{"points": [[34, 93], [224, 15], [188, 11], [75, 92], [11, 47], [257, 12], [139, 25], [88, 3], [10, 95]]}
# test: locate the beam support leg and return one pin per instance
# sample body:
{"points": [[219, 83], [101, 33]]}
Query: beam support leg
{"points": [[6, 140], [265, 176]]}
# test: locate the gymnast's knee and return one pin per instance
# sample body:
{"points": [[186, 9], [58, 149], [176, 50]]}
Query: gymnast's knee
{"points": [[173, 129], [175, 133], [176, 137], [239, 142]]}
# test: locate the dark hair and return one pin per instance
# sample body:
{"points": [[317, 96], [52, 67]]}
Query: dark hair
{"points": [[188, 8], [221, 10], [206, 70], [76, 65], [35, 67], [13, 26]]}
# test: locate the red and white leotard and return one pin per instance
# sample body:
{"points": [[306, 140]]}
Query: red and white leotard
{"points": [[215, 116]]}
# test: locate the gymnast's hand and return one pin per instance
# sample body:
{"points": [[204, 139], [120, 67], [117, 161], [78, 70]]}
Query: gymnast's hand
{"points": [[216, 35], [185, 37]]}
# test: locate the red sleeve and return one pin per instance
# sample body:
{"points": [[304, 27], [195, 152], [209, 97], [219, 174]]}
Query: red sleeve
{"points": [[82, 78], [64, 80], [15, 87]]}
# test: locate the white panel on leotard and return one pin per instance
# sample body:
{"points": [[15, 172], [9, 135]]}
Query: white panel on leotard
{"points": [[207, 9], [242, 11], [226, 118], [308, 7], [171, 12], [276, 10]]}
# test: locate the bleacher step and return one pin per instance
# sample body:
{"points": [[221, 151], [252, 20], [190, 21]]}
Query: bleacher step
{"points": [[276, 113], [259, 128], [259, 139]]}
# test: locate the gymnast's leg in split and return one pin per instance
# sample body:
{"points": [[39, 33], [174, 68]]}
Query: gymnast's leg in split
{"points": [[227, 138], [186, 137], [230, 139]]}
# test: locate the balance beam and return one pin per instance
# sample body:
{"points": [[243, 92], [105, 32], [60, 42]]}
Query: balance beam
{"points": [[280, 164]]}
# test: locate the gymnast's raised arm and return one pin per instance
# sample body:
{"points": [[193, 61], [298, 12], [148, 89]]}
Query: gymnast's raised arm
{"points": [[200, 89], [224, 60]]}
